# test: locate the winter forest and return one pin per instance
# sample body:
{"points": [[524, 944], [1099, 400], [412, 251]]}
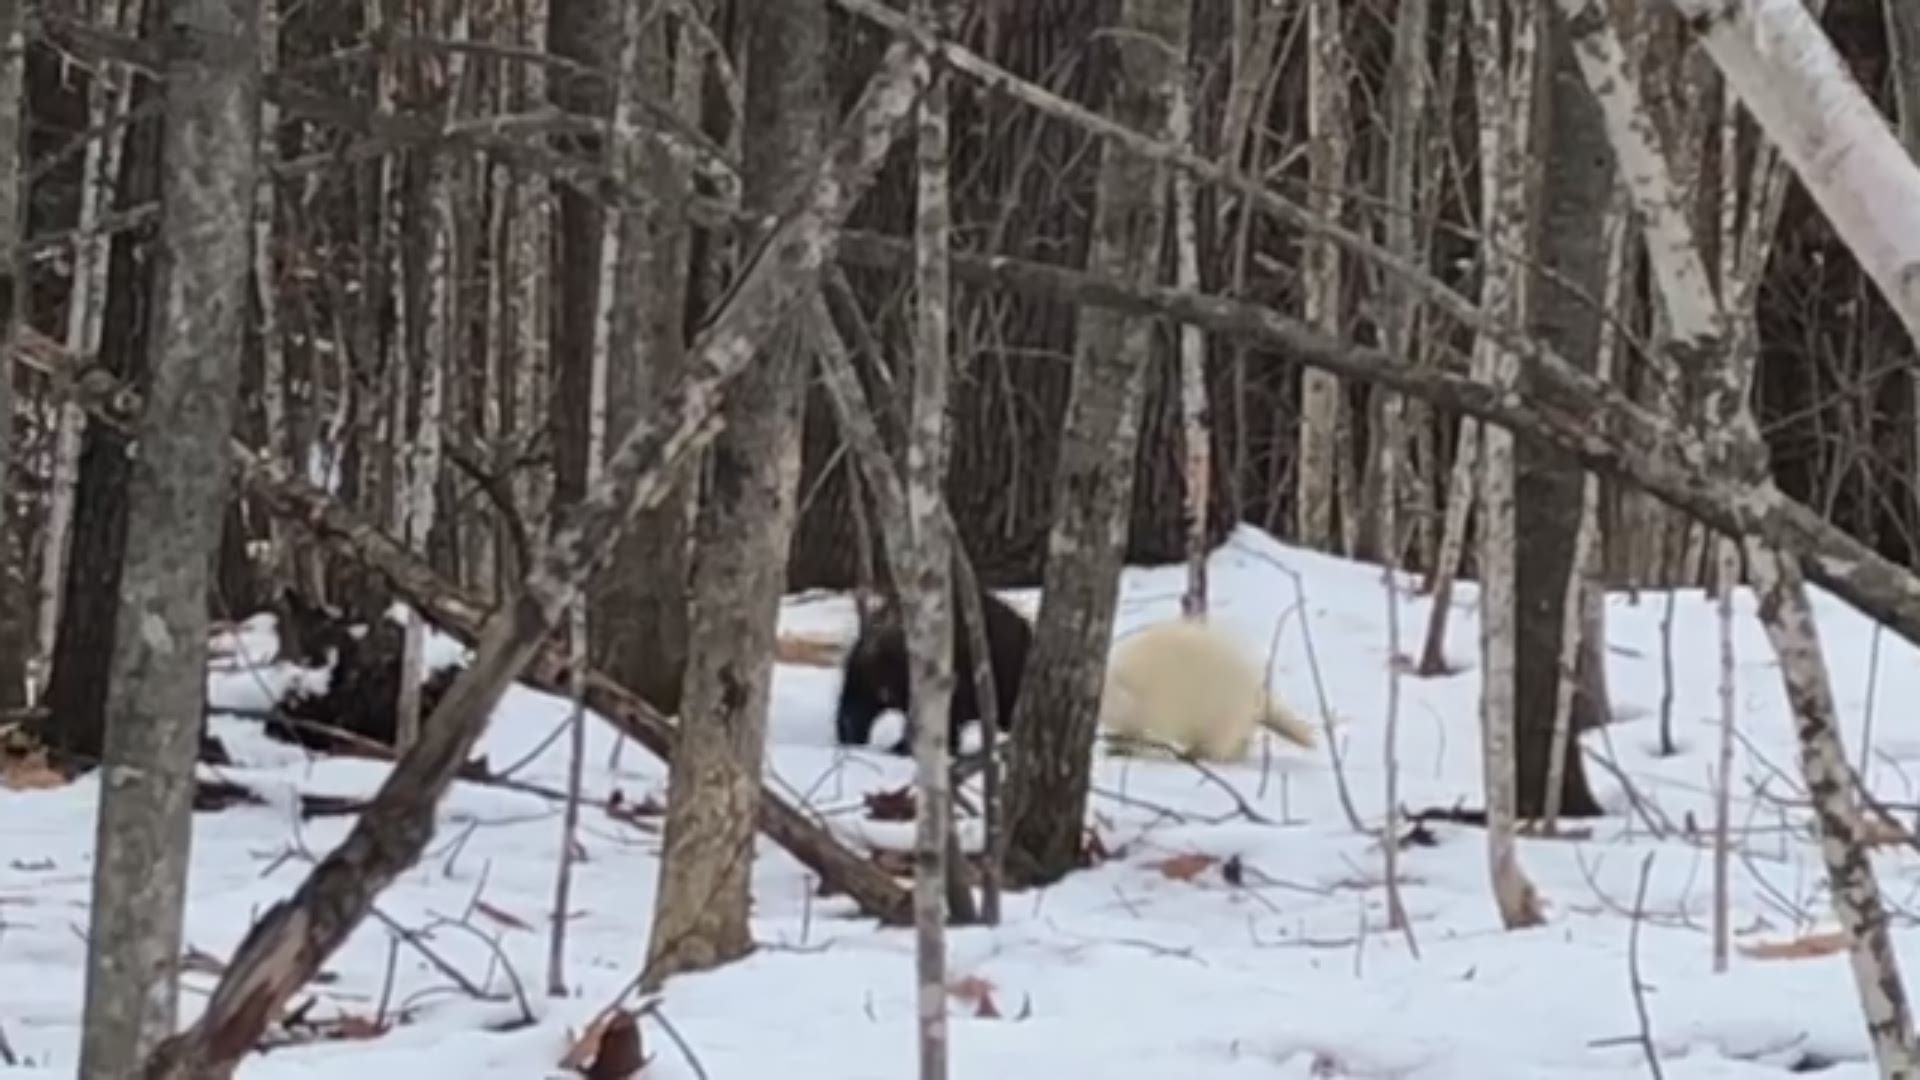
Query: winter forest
{"points": [[842, 539]]}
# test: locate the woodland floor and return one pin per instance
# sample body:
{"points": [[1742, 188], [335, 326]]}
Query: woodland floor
{"points": [[1151, 966]]}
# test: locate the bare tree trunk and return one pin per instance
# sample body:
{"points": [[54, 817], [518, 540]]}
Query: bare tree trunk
{"points": [[1321, 404], [1058, 710], [266, 291], [640, 608], [925, 589], [1506, 108], [530, 227], [83, 645], [1407, 107], [109, 92], [621, 152], [1196, 429], [741, 532], [16, 622], [1570, 243], [177, 496]]}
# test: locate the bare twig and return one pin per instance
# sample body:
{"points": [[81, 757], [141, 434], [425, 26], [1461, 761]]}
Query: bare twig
{"points": [[1633, 969]]}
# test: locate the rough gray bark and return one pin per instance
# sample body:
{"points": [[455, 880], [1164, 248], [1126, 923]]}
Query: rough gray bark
{"points": [[296, 936], [16, 615], [83, 637], [1056, 718], [109, 93], [742, 531], [176, 501], [1570, 275], [638, 612]]}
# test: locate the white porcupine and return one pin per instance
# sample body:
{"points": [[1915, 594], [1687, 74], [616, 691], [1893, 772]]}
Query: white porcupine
{"points": [[1186, 684]]}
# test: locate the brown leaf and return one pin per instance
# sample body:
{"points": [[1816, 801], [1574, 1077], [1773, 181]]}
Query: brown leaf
{"points": [[977, 992], [608, 1050], [895, 805], [581, 1052], [1825, 943], [807, 651], [23, 761], [352, 1027], [500, 916], [1185, 867]]}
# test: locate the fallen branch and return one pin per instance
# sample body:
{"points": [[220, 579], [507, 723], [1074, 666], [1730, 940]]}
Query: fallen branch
{"points": [[1602, 429]]}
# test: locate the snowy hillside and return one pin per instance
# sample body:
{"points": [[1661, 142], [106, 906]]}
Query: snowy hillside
{"points": [[1139, 969]]}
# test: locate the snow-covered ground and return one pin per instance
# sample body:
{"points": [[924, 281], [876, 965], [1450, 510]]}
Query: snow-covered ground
{"points": [[1139, 968]]}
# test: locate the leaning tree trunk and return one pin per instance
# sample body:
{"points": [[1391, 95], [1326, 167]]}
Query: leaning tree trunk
{"points": [[1058, 708], [741, 532], [1549, 486], [83, 640], [1903, 57], [176, 500]]}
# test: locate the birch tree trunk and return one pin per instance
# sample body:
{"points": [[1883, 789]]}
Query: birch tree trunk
{"points": [[741, 532], [1058, 710], [926, 588], [1775, 56], [1196, 428], [1722, 364], [1327, 150], [1505, 125], [1903, 56], [176, 499], [1407, 107]]}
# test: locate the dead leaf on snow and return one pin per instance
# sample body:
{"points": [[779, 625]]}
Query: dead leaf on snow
{"points": [[1825, 943], [609, 1049], [976, 992], [807, 651], [1185, 867], [500, 915]]}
